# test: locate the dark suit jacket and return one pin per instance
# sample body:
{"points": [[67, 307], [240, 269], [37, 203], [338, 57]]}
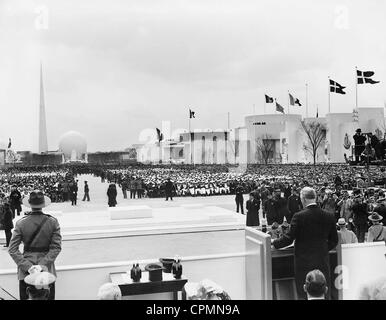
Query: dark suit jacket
{"points": [[314, 233], [253, 213]]}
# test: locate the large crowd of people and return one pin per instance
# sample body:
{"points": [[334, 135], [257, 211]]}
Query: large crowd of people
{"points": [[353, 197]]}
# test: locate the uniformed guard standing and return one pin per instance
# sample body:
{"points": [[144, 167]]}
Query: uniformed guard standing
{"points": [[239, 199], [40, 234]]}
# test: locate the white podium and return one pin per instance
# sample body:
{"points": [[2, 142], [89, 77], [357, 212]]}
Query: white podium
{"points": [[130, 212]]}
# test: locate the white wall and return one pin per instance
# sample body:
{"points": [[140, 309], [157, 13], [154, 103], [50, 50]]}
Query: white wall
{"points": [[81, 282]]}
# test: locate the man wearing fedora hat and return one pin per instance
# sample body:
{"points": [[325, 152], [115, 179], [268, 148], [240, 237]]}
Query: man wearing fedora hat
{"points": [[40, 235], [377, 232]]}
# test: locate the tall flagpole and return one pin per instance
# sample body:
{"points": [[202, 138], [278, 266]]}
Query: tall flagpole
{"points": [[265, 103], [227, 139], [356, 88], [288, 102], [306, 100], [329, 96], [275, 105], [191, 141]]}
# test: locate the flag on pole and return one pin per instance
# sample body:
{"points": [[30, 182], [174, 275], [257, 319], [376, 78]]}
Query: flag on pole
{"points": [[160, 135], [279, 108], [192, 114], [268, 99], [365, 77], [317, 112], [9, 143], [294, 101], [336, 87]]}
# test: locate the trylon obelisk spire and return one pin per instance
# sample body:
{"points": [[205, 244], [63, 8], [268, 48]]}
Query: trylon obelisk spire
{"points": [[43, 145]]}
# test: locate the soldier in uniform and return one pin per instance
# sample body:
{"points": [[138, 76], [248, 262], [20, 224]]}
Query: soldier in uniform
{"points": [[40, 235], [14, 201], [169, 188], [86, 192], [239, 199]]}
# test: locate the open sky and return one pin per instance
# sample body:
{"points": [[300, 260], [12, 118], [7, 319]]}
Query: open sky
{"points": [[112, 68]]}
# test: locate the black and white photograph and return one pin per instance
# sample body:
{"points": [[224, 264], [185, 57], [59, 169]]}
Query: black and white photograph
{"points": [[179, 152]]}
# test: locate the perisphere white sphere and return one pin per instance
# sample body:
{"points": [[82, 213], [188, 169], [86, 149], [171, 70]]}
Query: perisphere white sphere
{"points": [[71, 141]]}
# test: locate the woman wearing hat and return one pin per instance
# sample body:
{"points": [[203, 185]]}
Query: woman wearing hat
{"points": [[112, 195], [345, 235], [377, 232]]}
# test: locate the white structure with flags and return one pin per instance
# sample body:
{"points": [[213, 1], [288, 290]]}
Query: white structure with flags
{"points": [[283, 133]]}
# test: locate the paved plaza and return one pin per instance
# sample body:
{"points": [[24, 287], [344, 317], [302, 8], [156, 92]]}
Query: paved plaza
{"points": [[121, 248]]}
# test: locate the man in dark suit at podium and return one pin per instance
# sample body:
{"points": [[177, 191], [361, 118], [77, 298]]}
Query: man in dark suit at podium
{"points": [[315, 234]]}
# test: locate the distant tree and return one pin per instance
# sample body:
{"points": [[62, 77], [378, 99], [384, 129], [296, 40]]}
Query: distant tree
{"points": [[316, 134], [265, 148]]}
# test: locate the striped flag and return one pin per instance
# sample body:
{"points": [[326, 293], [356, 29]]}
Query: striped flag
{"points": [[279, 108], [294, 101]]}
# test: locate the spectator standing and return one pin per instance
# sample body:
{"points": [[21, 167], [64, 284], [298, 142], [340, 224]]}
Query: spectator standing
{"points": [[132, 188], [345, 235], [270, 210], [380, 207], [169, 189], [359, 210], [377, 232], [294, 204], [73, 193], [345, 207], [239, 198], [253, 206], [86, 192], [140, 188], [112, 195], [329, 203], [6, 222], [281, 206], [124, 186], [15, 201]]}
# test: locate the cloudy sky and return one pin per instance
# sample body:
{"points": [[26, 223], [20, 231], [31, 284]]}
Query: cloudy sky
{"points": [[115, 67]]}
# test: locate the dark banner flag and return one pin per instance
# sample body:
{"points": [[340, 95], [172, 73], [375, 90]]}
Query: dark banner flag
{"points": [[365, 77], [279, 108], [159, 135], [336, 87], [294, 101], [192, 114], [9, 143], [268, 99]]}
